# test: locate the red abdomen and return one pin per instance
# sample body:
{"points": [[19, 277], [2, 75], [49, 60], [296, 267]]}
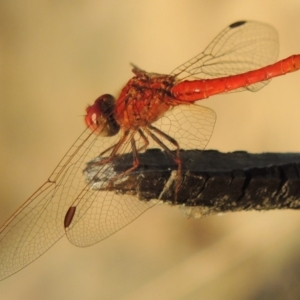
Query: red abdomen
{"points": [[191, 91]]}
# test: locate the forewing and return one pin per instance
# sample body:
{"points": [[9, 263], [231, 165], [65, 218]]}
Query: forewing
{"points": [[39, 222], [241, 47], [99, 212]]}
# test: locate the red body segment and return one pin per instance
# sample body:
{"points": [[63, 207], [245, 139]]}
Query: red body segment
{"points": [[191, 91]]}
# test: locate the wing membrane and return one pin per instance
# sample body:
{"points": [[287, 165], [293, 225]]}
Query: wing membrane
{"points": [[236, 50]]}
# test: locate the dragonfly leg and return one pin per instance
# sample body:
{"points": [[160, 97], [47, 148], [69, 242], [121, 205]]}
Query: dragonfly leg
{"points": [[176, 157], [115, 152]]}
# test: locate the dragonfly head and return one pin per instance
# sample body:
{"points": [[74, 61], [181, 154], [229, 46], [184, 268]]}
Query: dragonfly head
{"points": [[100, 116]]}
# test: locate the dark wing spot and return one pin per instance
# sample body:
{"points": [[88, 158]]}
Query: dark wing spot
{"points": [[69, 216], [237, 24]]}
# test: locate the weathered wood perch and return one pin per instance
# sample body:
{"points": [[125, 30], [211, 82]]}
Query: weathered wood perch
{"points": [[212, 182]]}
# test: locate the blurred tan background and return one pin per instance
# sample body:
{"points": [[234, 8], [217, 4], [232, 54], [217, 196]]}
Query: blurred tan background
{"points": [[58, 56]]}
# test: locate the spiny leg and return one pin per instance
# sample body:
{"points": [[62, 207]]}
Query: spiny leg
{"points": [[136, 162], [144, 138], [176, 158], [115, 148]]}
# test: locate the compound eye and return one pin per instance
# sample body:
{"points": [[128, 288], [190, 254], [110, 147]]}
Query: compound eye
{"points": [[100, 116], [93, 116]]}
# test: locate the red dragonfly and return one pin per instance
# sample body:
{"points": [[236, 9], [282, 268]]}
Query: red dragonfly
{"points": [[153, 110]]}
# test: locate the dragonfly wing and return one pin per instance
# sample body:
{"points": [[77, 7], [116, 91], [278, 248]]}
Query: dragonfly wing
{"points": [[39, 222], [97, 213], [102, 213], [241, 47], [191, 125]]}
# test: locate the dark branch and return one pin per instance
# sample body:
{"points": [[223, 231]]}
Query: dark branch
{"points": [[212, 182]]}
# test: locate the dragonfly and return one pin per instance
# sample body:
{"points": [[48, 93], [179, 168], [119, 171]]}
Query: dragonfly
{"points": [[151, 111]]}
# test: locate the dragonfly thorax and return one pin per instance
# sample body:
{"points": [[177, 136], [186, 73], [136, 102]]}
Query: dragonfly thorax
{"points": [[144, 99]]}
